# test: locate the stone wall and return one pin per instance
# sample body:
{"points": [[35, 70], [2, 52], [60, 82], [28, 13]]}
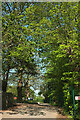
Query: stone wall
{"points": [[7, 100]]}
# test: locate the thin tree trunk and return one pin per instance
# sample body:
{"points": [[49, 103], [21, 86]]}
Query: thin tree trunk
{"points": [[19, 88], [19, 93], [5, 80]]}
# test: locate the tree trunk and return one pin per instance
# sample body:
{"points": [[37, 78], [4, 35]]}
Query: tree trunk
{"points": [[4, 89], [4, 85], [19, 94], [19, 88], [27, 96], [5, 80]]}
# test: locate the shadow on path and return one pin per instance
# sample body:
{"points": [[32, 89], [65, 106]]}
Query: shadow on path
{"points": [[29, 109]]}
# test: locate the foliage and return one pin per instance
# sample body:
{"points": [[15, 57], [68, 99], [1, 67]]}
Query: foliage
{"points": [[39, 99], [12, 89], [51, 30], [56, 35], [17, 49]]}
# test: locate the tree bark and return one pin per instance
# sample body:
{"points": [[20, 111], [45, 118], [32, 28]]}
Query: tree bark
{"points": [[19, 94], [19, 88], [5, 80]]}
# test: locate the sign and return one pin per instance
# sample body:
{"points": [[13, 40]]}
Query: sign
{"points": [[15, 98], [77, 97]]}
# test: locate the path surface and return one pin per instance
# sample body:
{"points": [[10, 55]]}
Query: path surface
{"points": [[30, 111]]}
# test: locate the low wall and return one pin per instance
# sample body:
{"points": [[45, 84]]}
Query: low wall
{"points": [[7, 100]]}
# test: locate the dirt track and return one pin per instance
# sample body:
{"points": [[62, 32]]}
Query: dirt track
{"points": [[31, 111]]}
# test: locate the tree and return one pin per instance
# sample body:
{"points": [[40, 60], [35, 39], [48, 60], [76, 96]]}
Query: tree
{"points": [[56, 35], [17, 51], [52, 30]]}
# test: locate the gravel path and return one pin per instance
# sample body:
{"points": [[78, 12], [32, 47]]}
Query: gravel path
{"points": [[30, 111]]}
